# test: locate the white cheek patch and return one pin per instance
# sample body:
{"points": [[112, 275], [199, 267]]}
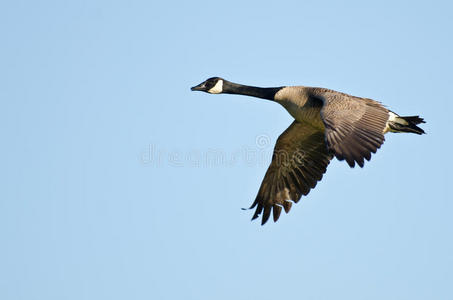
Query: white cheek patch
{"points": [[217, 88]]}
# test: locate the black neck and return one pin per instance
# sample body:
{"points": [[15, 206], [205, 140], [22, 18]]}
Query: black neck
{"points": [[234, 88]]}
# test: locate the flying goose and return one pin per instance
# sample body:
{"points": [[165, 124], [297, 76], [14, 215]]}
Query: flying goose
{"points": [[327, 124]]}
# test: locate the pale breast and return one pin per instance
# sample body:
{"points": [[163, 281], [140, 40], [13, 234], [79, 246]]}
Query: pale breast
{"points": [[300, 106]]}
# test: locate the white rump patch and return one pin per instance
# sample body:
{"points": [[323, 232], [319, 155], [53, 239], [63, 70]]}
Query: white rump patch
{"points": [[217, 88], [394, 118]]}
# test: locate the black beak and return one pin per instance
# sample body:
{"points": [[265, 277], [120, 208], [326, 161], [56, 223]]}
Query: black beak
{"points": [[200, 87]]}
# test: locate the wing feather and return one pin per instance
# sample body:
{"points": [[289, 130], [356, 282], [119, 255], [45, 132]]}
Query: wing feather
{"points": [[299, 161], [354, 127]]}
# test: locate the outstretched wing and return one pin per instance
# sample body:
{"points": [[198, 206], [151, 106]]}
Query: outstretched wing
{"points": [[299, 160], [354, 126]]}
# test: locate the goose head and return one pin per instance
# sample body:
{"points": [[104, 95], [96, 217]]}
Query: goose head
{"points": [[213, 85]]}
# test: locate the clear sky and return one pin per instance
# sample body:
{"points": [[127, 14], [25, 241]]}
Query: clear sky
{"points": [[111, 182]]}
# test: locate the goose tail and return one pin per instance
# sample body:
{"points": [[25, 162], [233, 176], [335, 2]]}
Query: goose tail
{"points": [[397, 123]]}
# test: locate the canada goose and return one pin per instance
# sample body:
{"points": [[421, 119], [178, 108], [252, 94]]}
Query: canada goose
{"points": [[327, 123]]}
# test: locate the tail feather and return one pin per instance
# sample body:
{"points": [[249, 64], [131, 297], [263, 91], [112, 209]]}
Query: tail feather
{"points": [[414, 119], [405, 124]]}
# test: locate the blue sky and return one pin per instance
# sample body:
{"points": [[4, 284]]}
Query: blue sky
{"points": [[110, 184]]}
